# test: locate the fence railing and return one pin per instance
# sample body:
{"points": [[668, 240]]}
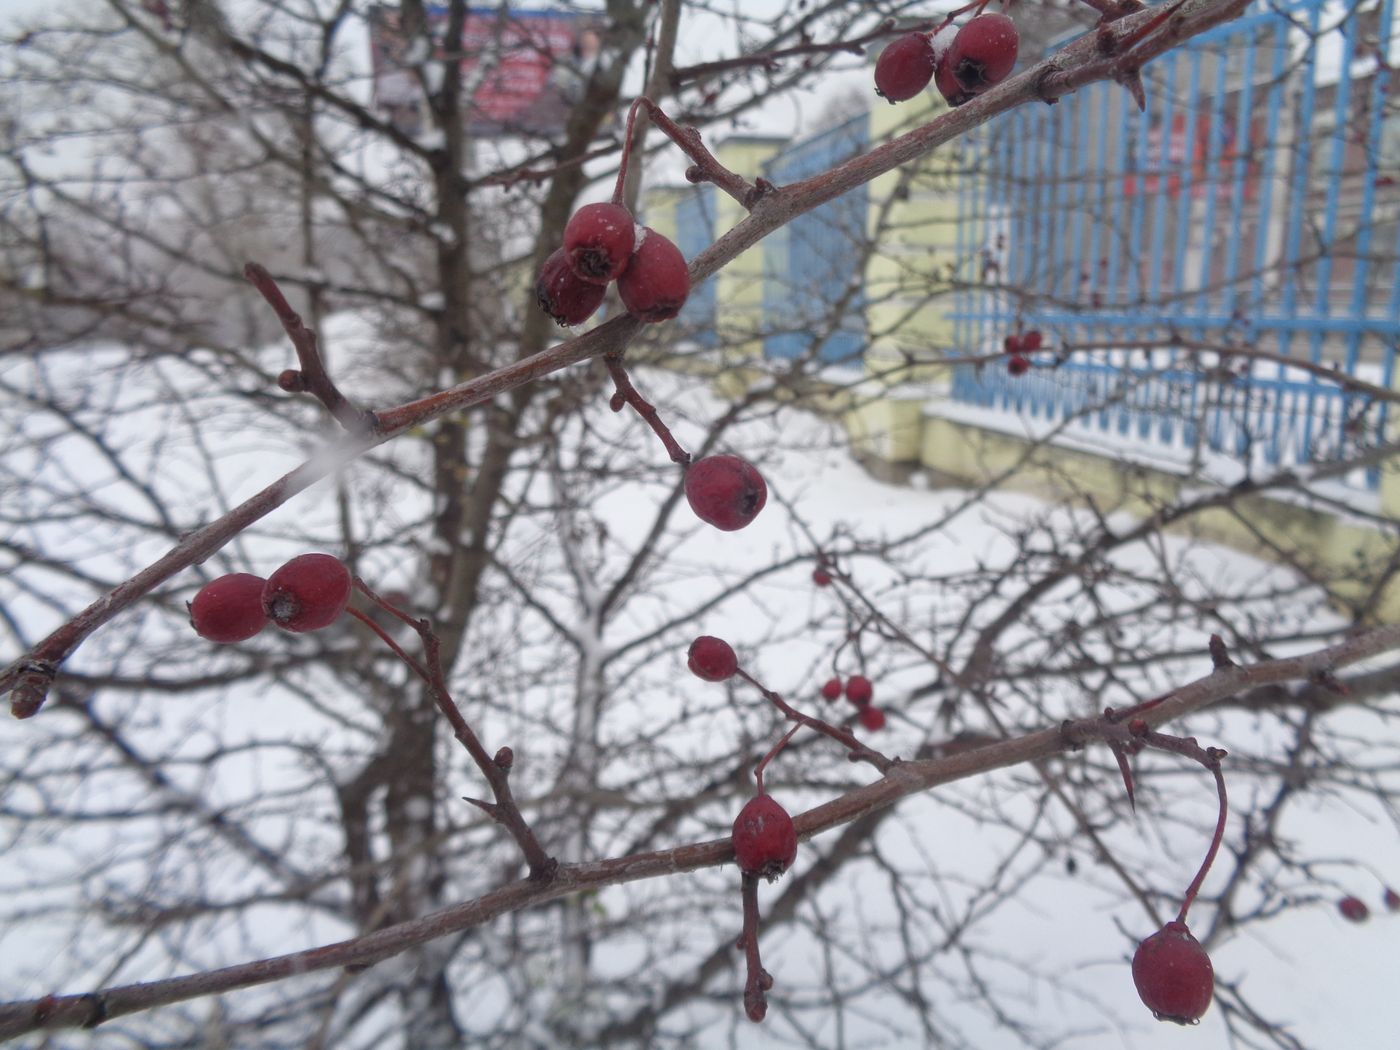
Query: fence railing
{"points": [[1255, 203]]}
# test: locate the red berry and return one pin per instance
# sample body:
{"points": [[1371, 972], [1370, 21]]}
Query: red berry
{"points": [[1030, 342], [832, 689], [712, 659], [1011, 344], [872, 717], [307, 593], [725, 491], [656, 282], [821, 577], [1354, 909], [904, 67], [599, 240], [859, 690], [564, 295], [1017, 365], [983, 53], [1392, 899], [229, 609], [765, 841], [1173, 974]]}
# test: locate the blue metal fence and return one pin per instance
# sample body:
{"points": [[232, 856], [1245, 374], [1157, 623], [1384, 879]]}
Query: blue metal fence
{"points": [[813, 299], [1255, 203], [695, 223]]}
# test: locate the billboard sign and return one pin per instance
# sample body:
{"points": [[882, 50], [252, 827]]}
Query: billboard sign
{"points": [[524, 68]]}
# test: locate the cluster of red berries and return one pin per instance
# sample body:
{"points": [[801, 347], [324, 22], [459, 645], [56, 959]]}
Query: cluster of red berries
{"points": [[1017, 347], [602, 244], [962, 63], [306, 594], [725, 491], [860, 692]]}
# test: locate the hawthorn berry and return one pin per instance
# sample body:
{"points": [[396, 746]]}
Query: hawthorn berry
{"points": [[712, 659], [598, 241], [1031, 341], [564, 295], [904, 67], [872, 717], [983, 53], [1392, 899], [832, 689], [1011, 344], [1173, 975], [764, 838], [307, 593], [1354, 908], [229, 609], [821, 577], [656, 282], [1018, 365], [725, 491], [859, 690]]}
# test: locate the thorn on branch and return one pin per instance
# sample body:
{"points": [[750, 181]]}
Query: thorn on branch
{"points": [[1219, 655]]}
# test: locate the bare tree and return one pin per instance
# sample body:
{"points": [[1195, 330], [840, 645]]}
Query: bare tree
{"points": [[287, 815]]}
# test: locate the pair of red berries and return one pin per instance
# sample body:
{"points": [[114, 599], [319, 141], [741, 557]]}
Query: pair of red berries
{"points": [[602, 243], [1017, 347], [306, 594], [962, 63], [860, 692]]}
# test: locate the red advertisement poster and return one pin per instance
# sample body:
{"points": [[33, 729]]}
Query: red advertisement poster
{"points": [[523, 68]]}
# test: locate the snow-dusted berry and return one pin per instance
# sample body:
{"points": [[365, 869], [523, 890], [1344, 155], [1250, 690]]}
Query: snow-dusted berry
{"points": [[983, 53], [598, 242], [656, 282]]}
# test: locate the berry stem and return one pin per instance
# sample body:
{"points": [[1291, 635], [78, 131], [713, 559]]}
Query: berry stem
{"points": [[627, 395], [1215, 841], [858, 751], [772, 754], [758, 980], [706, 168], [505, 811], [313, 377]]}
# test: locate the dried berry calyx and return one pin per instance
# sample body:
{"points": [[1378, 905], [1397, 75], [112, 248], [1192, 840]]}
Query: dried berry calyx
{"points": [[598, 242], [712, 659], [764, 838], [229, 609], [1173, 975], [725, 491], [308, 593]]}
